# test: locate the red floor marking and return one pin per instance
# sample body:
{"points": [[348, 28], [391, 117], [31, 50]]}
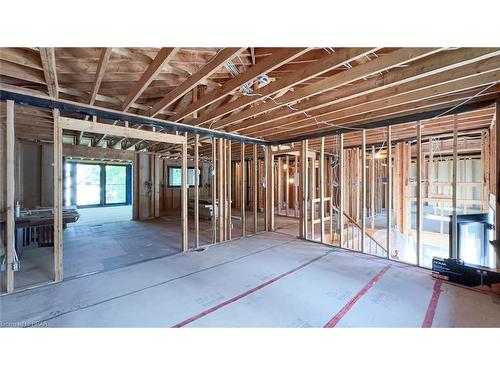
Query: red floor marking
{"points": [[431, 310], [333, 322], [238, 297]]}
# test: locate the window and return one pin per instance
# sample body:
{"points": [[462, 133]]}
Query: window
{"points": [[88, 184], [175, 177], [116, 184]]}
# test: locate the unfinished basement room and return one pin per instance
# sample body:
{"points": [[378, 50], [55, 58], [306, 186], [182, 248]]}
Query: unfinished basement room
{"points": [[250, 187]]}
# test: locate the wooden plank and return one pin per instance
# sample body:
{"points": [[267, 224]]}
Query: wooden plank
{"points": [[196, 191], [243, 192], [454, 234], [99, 74], [287, 184], [419, 193], [163, 57], [372, 189], [304, 186], [363, 189], [312, 194], [157, 161], [58, 199], [255, 189], [280, 184], [322, 189], [213, 181], [341, 190], [207, 70], [389, 191], [10, 181], [118, 131], [497, 192], [229, 199], [136, 190], [184, 197], [220, 183], [48, 58]]}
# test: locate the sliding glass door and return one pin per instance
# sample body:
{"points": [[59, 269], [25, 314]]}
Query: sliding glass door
{"points": [[91, 185]]}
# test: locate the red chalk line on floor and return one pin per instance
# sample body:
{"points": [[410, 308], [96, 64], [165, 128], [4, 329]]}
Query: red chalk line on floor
{"points": [[334, 321], [248, 292], [431, 310]]}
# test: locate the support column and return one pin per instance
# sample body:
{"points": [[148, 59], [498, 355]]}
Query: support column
{"points": [[303, 189], [287, 184], [389, 191], [213, 178], [229, 225], [363, 189], [243, 191], [279, 184], [454, 251], [372, 189], [497, 193], [322, 189], [58, 220], [341, 190], [269, 170], [10, 180], [184, 198], [220, 184], [419, 192], [196, 192], [255, 190]]}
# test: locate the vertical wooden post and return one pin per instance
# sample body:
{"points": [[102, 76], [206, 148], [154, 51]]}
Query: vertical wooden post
{"points": [[229, 225], [279, 173], [322, 189], [389, 191], [220, 184], [363, 189], [10, 181], [330, 187], [313, 196], [296, 185], [196, 192], [497, 192], [287, 184], [136, 192], [372, 188], [304, 189], [341, 190], [243, 192], [184, 197], [269, 170], [419, 192], [255, 189], [58, 220], [454, 250], [215, 205], [156, 179]]}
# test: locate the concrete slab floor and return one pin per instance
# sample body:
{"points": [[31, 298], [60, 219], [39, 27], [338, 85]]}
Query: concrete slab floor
{"points": [[267, 280]]}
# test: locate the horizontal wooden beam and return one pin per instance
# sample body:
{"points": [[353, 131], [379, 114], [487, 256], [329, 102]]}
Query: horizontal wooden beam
{"points": [[67, 106], [118, 131], [388, 122]]}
